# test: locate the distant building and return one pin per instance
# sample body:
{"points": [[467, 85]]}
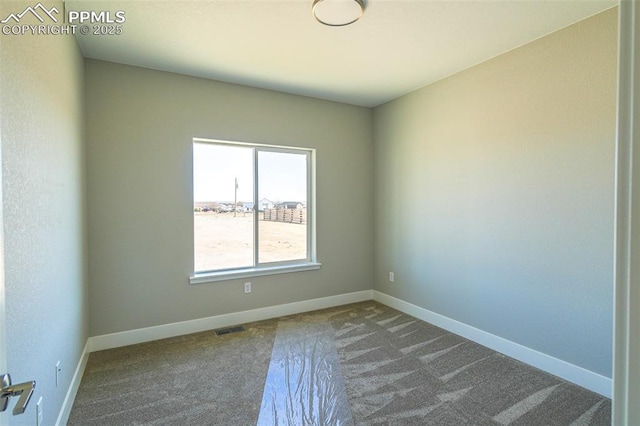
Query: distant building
{"points": [[265, 204], [289, 205]]}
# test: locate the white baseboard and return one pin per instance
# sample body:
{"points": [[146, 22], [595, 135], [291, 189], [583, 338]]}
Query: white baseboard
{"points": [[70, 397], [115, 340], [572, 373]]}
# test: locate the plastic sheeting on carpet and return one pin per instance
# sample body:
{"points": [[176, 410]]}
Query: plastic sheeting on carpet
{"points": [[304, 385]]}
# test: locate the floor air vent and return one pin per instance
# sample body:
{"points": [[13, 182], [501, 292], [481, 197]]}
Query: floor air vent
{"points": [[223, 331]]}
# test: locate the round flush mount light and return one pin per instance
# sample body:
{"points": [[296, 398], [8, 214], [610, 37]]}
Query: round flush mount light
{"points": [[337, 13]]}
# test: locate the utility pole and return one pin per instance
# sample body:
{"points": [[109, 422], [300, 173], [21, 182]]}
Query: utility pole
{"points": [[235, 201]]}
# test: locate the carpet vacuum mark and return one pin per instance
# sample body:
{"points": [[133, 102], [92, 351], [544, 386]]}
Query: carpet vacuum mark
{"points": [[360, 364]]}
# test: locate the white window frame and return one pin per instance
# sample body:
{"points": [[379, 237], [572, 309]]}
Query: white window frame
{"points": [[271, 268]]}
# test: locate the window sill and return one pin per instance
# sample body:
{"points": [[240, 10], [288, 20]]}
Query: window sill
{"points": [[207, 277]]}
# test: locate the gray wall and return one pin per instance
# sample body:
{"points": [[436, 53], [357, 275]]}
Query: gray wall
{"points": [[140, 125], [494, 194], [44, 209]]}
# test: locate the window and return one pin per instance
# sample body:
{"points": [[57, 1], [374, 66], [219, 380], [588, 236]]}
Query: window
{"points": [[253, 210]]}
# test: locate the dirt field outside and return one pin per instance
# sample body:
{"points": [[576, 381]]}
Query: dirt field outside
{"points": [[224, 241]]}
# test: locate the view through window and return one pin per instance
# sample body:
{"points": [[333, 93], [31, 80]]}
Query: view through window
{"points": [[250, 205]]}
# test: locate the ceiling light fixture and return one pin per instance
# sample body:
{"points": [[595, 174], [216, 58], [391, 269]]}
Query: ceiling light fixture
{"points": [[337, 13]]}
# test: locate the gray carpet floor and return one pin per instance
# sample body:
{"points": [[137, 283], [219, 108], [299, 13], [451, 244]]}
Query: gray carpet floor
{"points": [[360, 364]]}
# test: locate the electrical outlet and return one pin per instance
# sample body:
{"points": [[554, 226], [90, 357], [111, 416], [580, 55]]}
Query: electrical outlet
{"points": [[392, 276], [39, 415], [58, 370], [247, 287]]}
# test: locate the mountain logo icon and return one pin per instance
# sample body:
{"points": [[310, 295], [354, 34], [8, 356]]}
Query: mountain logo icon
{"points": [[38, 11]]}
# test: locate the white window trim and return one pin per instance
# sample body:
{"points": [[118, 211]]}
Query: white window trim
{"points": [[308, 264], [207, 277]]}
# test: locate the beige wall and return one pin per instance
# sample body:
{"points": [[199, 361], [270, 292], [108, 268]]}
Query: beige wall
{"points": [[494, 194], [44, 212], [140, 125]]}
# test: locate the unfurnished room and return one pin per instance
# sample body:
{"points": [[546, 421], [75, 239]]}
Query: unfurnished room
{"points": [[320, 212]]}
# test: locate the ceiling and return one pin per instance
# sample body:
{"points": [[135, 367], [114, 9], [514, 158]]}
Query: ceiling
{"points": [[395, 48]]}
